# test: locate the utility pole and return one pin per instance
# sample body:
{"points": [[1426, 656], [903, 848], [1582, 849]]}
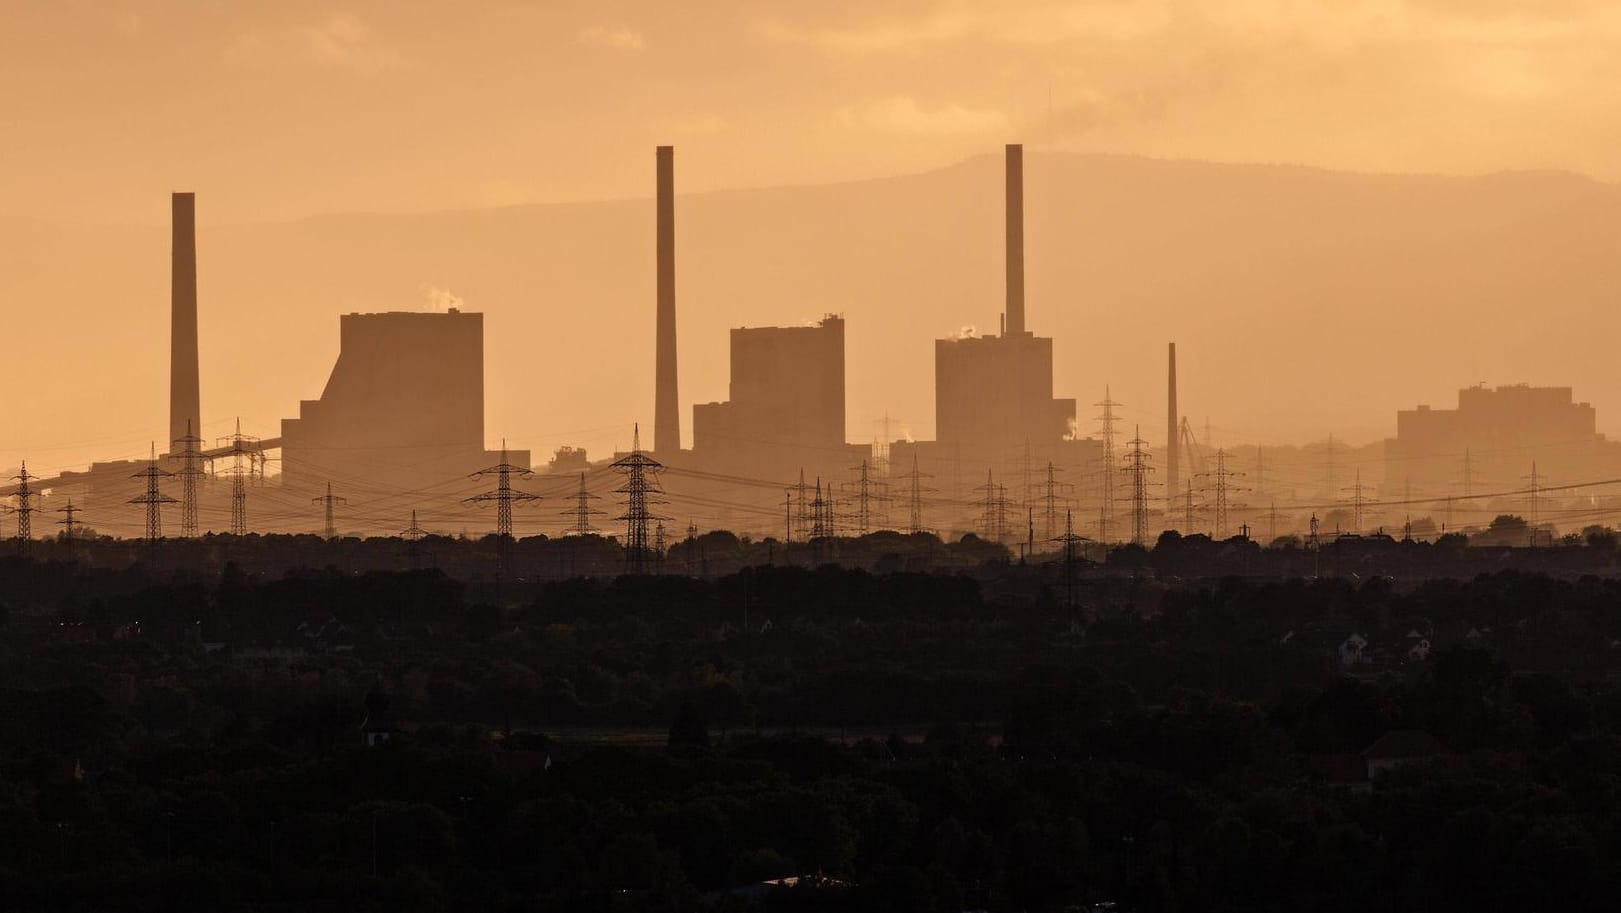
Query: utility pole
{"points": [[1106, 431], [153, 498], [189, 449], [238, 442], [1137, 469], [504, 494], [641, 490], [68, 524], [25, 509], [582, 511], [330, 531]]}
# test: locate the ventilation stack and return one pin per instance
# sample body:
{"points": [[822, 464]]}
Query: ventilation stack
{"points": [[185, 408], [1172, 431], [1015, 241], [666, 403]]}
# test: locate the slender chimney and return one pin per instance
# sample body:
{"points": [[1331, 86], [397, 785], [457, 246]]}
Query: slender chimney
{"points": [[185, 408], [1172, 432], [666, 404], [1015, 239]]}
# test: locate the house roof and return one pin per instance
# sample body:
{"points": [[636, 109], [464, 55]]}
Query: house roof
{"points": [[1405, 743]]}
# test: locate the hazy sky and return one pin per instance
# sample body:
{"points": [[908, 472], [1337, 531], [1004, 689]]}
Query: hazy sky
{"points": [[278, 110]]}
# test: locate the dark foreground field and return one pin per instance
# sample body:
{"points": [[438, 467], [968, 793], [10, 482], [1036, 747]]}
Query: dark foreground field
{"points": [[175, 741]]}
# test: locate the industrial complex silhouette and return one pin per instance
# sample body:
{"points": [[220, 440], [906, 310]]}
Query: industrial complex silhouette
{"points": [[398, 433]]}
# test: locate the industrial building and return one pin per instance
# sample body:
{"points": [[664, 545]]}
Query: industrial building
{"points": [[1492, 439], [994, 394], [785, 406], [403, 408]]}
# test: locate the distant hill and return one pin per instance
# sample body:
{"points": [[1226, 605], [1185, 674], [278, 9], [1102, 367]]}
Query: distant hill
{"points": [[1303, 301]]}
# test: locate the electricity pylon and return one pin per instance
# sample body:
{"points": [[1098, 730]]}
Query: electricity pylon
{"points": [[1137, 470], [238, 442], [641, 491], [189, 449], [582, 511], [329, 501], [153, 498], [504, 494], [914, 497], [25, 509]]}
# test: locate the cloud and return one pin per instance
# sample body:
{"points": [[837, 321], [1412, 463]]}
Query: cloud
{"points": [[902, 114], [346, 42], [340, 42], [616, 38], [440, 300], [1034, 24]]}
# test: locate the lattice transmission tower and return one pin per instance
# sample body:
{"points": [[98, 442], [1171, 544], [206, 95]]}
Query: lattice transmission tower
{"points": [[915, 490], [1137, 470], [993, 519], [1221, 483], [1107, 432], [1051, 495], [189, 450], [68, 524], [413, 536], [25, 509], [642, 492], [582, 511], [1069, 540], [240, 449], [330, 501], [153, 497], [504, 494]]}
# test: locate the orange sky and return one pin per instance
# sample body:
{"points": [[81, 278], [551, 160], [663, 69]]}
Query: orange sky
{"points": [[280, 110]]}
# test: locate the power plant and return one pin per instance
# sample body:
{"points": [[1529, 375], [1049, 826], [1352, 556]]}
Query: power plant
{"points": [[397, 437], [403, 409]]}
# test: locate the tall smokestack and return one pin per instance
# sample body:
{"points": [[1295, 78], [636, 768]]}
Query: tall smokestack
{"points": [[1015, 239], [666, 404], [185, 407], [1171, 432]]}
